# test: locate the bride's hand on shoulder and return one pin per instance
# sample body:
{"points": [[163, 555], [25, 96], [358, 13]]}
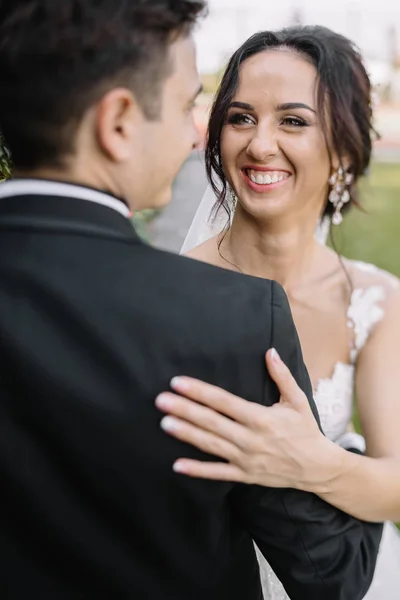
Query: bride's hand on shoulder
{"points": [[275, 446]]}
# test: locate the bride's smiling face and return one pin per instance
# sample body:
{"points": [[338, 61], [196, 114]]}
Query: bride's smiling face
{"points": [[273, 148]]}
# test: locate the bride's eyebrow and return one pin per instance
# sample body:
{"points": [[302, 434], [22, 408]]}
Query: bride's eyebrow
{"points": [[281, 107], [293, 106], [242, 105]]}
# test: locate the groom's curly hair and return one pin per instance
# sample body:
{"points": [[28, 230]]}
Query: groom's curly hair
{"points": [[58, 58]]}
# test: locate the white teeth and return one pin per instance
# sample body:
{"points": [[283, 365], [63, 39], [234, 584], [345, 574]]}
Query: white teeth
{"points": [[260, 179], [266, 178]]}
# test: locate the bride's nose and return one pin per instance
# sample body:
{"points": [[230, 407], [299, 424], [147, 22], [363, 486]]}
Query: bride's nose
{"points": [[263, 144]]}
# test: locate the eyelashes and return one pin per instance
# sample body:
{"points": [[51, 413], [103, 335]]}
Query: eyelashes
{"points": [[240, 119], [245, 119], [295, 122]]}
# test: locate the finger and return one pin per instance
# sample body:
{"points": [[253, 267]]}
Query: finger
{"points": [[216, 398], [203, 440], [285, 381], [204, 418], [209, 470]]}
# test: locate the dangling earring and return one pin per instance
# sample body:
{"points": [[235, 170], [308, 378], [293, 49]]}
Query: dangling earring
{"points": [[233, 198], [339, 194], [233, 202]]}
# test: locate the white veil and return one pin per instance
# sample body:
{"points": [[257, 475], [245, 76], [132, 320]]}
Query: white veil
{"points": [[204, 226]]}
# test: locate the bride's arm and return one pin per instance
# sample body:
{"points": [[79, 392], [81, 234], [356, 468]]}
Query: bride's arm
{"points": [[371, 489]]}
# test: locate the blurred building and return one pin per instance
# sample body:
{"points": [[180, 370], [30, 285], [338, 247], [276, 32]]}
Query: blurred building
{"points": [[369, 23]]}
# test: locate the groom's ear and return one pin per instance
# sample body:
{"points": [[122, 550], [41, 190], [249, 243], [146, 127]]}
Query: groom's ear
{"points": [[117, 121]]}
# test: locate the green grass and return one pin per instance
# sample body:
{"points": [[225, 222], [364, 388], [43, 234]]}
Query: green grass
{"points": [[141, 222], [5, 162], [372, 234]]}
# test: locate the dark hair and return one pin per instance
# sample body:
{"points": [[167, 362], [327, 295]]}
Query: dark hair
{"points": [[343, 83], [58, 58]]}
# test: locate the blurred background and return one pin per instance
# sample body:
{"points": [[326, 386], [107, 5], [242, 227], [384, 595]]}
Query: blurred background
{"points": [[371, 234]]}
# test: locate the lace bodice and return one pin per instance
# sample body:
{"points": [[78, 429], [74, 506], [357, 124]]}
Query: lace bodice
{"points": [[334, 396]]}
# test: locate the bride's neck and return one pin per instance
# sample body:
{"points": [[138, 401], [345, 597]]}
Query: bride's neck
{"points": [[281, 251]]}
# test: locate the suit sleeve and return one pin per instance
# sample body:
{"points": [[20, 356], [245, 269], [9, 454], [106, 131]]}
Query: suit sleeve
{"points": [[317, 551]]}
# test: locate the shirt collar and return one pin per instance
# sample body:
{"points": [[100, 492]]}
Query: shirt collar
{"points": [[43, 187]]}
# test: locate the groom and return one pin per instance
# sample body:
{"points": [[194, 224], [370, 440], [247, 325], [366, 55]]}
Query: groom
{"points": [[96, 105]]}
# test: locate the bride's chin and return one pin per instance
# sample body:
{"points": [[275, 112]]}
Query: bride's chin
{"points": [[263, 211]]}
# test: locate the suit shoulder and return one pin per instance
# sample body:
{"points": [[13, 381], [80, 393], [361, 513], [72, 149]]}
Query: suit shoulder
{"points": [[278, 296], [203, 275]]}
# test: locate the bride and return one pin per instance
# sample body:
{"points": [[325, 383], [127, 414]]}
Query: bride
{"points": [[290, 135]]}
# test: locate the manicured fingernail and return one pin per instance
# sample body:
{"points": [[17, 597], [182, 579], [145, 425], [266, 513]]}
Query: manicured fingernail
{"points": [[275, 356], [164, 401], [179, 467], [169, 424], [179, 383]]}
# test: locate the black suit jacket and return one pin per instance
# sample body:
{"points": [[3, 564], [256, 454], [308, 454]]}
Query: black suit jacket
{"points": [[94, 324]]}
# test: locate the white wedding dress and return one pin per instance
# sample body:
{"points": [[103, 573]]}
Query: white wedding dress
{"points": [[334, 396]]}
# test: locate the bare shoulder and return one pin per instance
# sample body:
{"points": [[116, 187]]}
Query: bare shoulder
{"points": [[207, 252]]}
